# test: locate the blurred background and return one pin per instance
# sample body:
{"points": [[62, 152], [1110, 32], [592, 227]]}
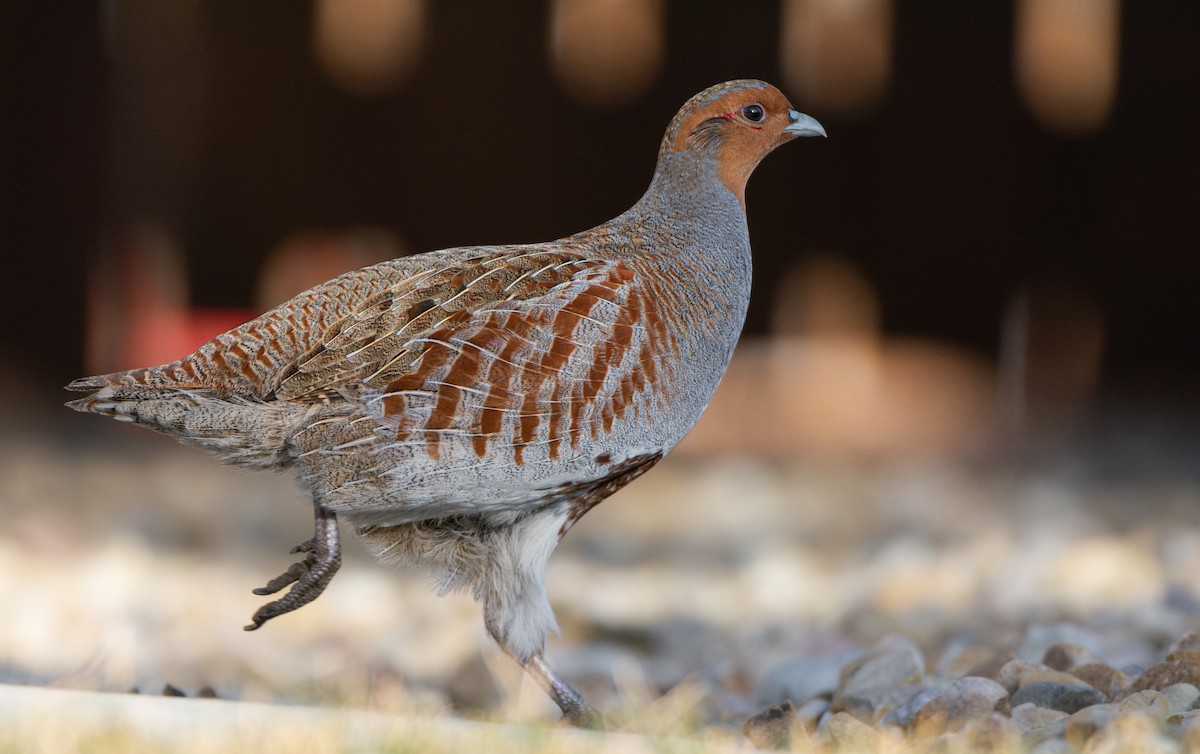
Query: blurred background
{"points": [[1007, 207], [975, 307]]}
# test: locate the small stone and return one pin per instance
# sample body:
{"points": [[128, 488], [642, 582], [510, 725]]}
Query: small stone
{"points": [[1186, 656], [849, 733], [169, 690], [1167, 674], [1050, 676], [876, 702], [1028, 716], [1010, 674], [1189, 642], [1049, 729], [810, 712], [1064, 656], [1060, 696], [1083, 724], [968, 698], [881, 680], [892, 661], [1181, 697], [1107, 680], [1038, 724], [803, 678], [1148, 701], [905, 715], [774, 727]]}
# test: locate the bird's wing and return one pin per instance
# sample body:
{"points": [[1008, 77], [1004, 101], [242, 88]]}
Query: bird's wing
{"points": [[369, 345], [302, 341], [536, 346]]}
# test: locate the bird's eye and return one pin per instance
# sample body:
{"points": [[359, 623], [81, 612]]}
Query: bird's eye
{"points": [[754, 113]]}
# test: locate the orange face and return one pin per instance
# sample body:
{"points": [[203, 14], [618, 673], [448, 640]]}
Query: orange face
{"points": [[741, 127]]}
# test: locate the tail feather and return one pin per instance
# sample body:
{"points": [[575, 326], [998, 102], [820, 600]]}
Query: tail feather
{"points": [[108, 399], [92, 383], [146, 377], [238, 430], [115, 394], [132, 385]]}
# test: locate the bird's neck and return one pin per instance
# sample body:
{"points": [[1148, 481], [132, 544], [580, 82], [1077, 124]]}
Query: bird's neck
{"points": [[692, 187], [698, 225]]}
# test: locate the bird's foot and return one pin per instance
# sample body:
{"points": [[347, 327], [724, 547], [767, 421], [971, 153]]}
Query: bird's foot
{"points": [[575, 710], [309, 576]]}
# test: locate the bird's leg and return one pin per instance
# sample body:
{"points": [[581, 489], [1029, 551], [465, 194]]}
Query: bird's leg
{"points": [[575, 711], [309, 576]]}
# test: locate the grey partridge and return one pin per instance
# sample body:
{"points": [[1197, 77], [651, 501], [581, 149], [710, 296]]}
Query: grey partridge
{"points": [[463, 408]]}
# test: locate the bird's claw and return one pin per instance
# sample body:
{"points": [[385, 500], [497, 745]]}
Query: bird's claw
{"points": [[309, 545], [308, 577], [295, 572]]}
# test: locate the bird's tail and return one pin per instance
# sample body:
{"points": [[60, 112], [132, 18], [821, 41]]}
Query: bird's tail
{"points": [[239, 430], [117, 394]]}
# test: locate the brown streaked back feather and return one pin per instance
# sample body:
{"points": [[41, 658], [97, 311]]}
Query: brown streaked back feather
{"points": [[373, 345], [498, 348]]}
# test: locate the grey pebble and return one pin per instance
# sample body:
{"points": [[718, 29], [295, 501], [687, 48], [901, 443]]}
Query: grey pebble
{"points": [[1181, 697], [882, 679], [1057, 696], [968, 698], [1028, 717], [875, 702], [1148, 701], [1084, 723], [809, 713], [1010, 674], [905, 715], [849, 733], [1037, 724], [805, 677], [891, 661]]}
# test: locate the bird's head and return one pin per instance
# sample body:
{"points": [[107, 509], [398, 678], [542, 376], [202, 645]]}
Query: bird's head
{"points": [[736, 123]]}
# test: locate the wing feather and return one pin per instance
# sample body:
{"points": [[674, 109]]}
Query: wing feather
{"points": [[529, 350], [514, 347]]}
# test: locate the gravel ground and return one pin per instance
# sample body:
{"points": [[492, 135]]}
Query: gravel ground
{"points": [[861, 604]]}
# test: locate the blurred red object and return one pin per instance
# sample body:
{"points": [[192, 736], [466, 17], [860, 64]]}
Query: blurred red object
{"points": [[137, 310]]}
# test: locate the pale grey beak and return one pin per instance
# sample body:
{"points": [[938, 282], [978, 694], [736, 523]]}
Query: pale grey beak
{"points": [[803, 125]]}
